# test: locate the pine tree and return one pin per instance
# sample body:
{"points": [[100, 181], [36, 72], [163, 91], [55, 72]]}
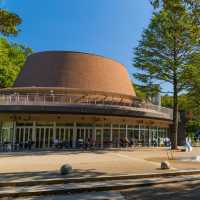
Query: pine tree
{"points": [[164, 52]]}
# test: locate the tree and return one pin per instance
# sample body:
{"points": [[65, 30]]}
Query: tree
{"points": [[193, 78], [12, 58], [9, 22], [12, 55], [165, 48], [147, 92]]}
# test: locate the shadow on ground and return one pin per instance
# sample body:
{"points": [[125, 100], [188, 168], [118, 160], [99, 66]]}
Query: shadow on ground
{"points": [[77, 173], [177, 191], [75, 151], [55, 152]]}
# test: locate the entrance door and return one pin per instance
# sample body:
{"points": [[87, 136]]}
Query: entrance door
{"points": [[44, 137], [23, 135], [99, 138], [64, 137], [83, 135], [80, 138], [153, 139]]}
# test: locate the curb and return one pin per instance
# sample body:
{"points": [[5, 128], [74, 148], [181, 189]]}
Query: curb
{"points": [[95, 179], [91, 189]]}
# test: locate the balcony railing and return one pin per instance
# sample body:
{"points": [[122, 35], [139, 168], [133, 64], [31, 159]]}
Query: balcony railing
{"points": [[62, 99]]}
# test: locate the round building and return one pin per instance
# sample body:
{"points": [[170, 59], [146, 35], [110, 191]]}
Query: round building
{"points": [[77, 100]]}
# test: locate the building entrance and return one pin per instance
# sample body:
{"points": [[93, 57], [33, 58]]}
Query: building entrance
{"points": [[153, 137], [52, 135], [99, 138], [64, 136], [44, 137], [23, 135], [84, 137]]}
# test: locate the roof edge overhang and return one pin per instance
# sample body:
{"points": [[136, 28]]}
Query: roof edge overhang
{"points": [[57, 90], [81, 109]]}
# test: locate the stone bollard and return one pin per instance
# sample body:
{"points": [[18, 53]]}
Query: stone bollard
{"points": [[165, 165], [65, 169]]}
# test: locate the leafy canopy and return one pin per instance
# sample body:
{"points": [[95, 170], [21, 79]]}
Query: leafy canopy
{"points": [[12, 58], [164, 53], [166, 45], [9, 22]]}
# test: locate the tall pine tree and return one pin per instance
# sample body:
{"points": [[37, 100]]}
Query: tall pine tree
{"points": [[164, 52]]}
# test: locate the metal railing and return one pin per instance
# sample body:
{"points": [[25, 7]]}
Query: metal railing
{"points": [[63, 99]]}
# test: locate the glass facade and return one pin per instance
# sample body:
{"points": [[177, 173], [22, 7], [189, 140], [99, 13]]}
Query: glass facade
{"points": [[33, 135]]}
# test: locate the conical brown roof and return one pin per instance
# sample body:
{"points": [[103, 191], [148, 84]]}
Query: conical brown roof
{"points": [[75, 70]]}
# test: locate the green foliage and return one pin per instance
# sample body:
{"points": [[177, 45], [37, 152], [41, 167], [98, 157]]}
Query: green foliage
{"points": [[146, 93], [163, 51], [12, 55], [140, 92], [9, 22], [193, 80], [192, 127], [184, 104], [167, 45], [12, 58]]}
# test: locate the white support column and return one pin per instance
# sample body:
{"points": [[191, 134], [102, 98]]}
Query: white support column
{"points": [[34, 134], [118, 139], [126, 131], [44, 138], [84, 135], [68, 131], [49, 137], [102, 129], [157, 135], [139, 133], [64, 134], [127, 136], [94, 135], [38, 132], [111, 135], [74, 135], [14, 134], [54, 131], [94, 132], [149, 136]]}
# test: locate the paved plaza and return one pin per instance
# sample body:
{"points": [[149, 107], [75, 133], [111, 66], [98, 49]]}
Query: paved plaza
{"points": [[43, 165], [91, 163]]}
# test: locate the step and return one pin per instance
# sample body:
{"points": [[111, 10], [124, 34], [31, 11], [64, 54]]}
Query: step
{"points": [[52, 181], [72, 188]]}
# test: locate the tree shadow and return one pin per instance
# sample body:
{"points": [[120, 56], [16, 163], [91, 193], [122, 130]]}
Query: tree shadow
{"points": [[57, 152], [43, 175], [83, 196], [176, 191]]}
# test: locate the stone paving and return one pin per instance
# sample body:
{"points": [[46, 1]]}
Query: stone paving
{"points": [[42, 165], [26, 166], [96, 184], [83, 196], [178, 191]]}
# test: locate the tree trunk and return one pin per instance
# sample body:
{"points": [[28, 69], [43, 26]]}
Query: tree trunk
{"points": [[174, 134]]}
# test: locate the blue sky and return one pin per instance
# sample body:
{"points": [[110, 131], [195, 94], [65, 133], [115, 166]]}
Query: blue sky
{"points": [[110, 28]]}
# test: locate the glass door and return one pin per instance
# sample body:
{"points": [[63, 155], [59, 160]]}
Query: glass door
{"points": [[44, 137], [80, 138], [153, 140], [23, 137], [64, 136], [99, 138]]}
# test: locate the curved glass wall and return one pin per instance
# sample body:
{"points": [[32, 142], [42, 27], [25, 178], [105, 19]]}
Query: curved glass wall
{"points": [[33, 135]]}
